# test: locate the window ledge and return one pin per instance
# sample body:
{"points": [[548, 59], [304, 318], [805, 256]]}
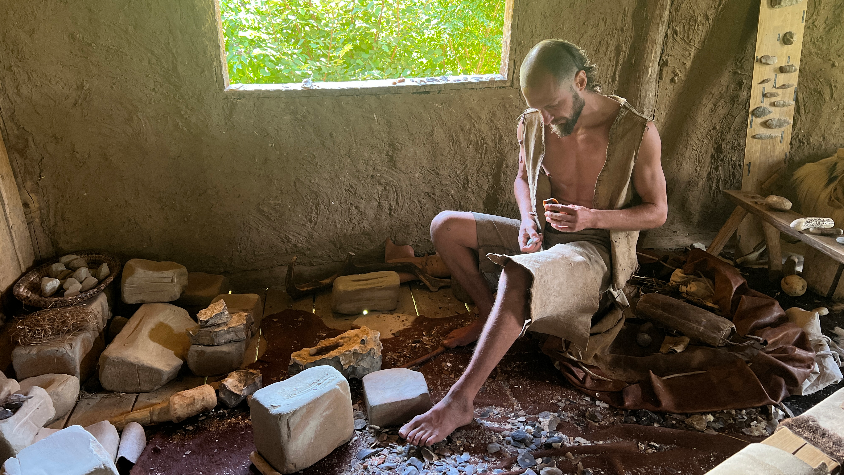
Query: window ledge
{"points": [[375, 86]]}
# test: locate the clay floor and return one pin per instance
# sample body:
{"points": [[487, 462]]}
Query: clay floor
{"points": [[523, 392]]}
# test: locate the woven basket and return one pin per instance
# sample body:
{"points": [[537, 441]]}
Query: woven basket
{"points": [[28, 288]]}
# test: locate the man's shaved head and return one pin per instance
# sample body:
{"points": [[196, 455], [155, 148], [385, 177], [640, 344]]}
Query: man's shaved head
{"points": [[559, 58]]}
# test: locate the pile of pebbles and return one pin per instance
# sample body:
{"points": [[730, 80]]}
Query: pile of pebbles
{"points": [[72, 275]]}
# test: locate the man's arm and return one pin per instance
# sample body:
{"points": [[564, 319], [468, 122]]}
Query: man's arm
{"points": [[649, 181], [521, 190]]}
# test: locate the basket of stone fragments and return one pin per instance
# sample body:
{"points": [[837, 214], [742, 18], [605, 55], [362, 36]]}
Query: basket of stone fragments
{"points": [[69, 280]]}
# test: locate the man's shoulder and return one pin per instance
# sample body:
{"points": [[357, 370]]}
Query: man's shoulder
{"points": [[628, 108]]}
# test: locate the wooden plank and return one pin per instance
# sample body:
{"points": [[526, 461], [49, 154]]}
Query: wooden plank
{"points": [[814, 457], [13, 213], [101, 407], [727, 230], [822, 274], [772, 239], [781, 220], [762, 158], [439, 304], [785, 440]]}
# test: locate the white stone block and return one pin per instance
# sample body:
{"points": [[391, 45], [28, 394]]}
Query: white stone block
{"points": [[19, 431], [8, 386], [147, 281], [300, 420], [75, 355], [249, 303], [70, 451], [149, 351], [63, 390], [352, 294], [106, 434], [394, 396], [99, 305]]}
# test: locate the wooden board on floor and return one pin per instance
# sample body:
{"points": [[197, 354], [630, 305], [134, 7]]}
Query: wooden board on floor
{"points": [[101, 407], [439, 304], [163, 393]]}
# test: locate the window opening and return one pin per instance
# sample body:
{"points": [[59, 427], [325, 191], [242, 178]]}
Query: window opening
{"points": [[337, 41]]}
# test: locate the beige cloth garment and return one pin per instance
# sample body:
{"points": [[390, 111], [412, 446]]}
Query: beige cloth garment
{"points": [[569, 279], [761, 459]]}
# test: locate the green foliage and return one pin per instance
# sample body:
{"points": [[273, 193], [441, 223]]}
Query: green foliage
{"points": [[284, 41]]}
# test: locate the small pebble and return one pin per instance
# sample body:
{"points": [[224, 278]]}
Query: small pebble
{"points": [[5, 413], [364, 453], [77, 263], [493, 448], [81, 274], [70, 282], [49, 286], [73, 290], [360, 424], [103, 271], [56, 269], [526, 460], [410, 471], [66, 259], [89, 283], [550, 471]]}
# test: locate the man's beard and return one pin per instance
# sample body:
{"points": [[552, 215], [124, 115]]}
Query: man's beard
{"points": [[567, 128]]}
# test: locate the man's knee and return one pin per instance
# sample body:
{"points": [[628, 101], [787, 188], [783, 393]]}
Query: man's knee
{"points": [[516, 278], [451, 225]]}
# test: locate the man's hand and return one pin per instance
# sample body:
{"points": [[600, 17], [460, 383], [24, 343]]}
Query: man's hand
{"points": [[569, 218], [529, 239]]}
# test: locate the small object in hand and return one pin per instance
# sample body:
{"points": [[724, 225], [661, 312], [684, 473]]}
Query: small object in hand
{"points": [[550, 201], [531, 242]]}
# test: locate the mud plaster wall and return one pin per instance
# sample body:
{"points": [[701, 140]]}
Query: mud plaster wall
{"points": [[122, 138]]}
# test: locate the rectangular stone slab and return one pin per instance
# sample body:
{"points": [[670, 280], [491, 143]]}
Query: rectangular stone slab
{"points": [[352, 294], [72, 451], [149, 351], [249, 303], [75, 355], [19, 431], [211, 360], [146, 281], [300, 420], [394, 396]]}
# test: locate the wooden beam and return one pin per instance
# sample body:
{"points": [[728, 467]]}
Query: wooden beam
{"points": [[726, 231]]}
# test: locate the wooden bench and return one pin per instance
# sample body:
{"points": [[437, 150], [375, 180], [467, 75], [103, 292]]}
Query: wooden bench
{"points": [[773, 224]]}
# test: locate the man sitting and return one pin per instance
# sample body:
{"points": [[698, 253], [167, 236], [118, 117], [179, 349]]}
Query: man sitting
{"points": [[566, 258]]}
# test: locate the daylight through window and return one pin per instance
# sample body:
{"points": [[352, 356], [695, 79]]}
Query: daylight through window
{"points": [[291, 41]]}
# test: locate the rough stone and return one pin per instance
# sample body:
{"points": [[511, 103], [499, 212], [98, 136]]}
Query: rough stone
{"points": [[238, 385], [249, 303], [768, 59], [70, 282], [236, 329], [300, 420], [149, 351], [352, 294], [56, 269], [782, 103], [70, 451], [147, 281], [106, 434], [81, 274], [65, 260], [102, 272], [784, 3], [785, 86], [213, 360], [394, 396], [73, 291], [18, 431], [788, 68], [63, 390], [49, 286], [355, 354], [77, 263], [75, 355], [202, 288], [89, 283], [777, 123], [764, 136], [761, 111], [116, 326], [8, 386], [191, 402], [215, 314], [770, 94], [788, 38]]}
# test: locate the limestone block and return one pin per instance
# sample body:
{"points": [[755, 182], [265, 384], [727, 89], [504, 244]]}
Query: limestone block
{"points": [[191, 402], [352, 294], [211, 360], [249, 303], [106, 434], [116, 326], [44, 432], [70, 451], [239, 384], [63, 390], [202, 288], [99, 305], [147, 281], [237, 329], [215, 314], [394, 396], [149, 351], [133, 440], [8, 386], [75, 355], [18, 432], [300, 420], [355, 354]]}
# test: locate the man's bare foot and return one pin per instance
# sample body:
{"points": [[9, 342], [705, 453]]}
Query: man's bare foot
{"points": [[465, 335], [440, 421]]}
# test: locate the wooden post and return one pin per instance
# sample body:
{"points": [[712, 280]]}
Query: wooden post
{"points": [[763, 156]]}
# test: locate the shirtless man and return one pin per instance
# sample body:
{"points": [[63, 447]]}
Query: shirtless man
{"points": [[556, 79]]}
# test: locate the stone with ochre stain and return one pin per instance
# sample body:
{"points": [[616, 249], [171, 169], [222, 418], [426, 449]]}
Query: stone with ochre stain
{"points": [[355, 354]]}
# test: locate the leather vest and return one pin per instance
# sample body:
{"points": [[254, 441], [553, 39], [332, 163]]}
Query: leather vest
{"points": [[613, 189]]}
